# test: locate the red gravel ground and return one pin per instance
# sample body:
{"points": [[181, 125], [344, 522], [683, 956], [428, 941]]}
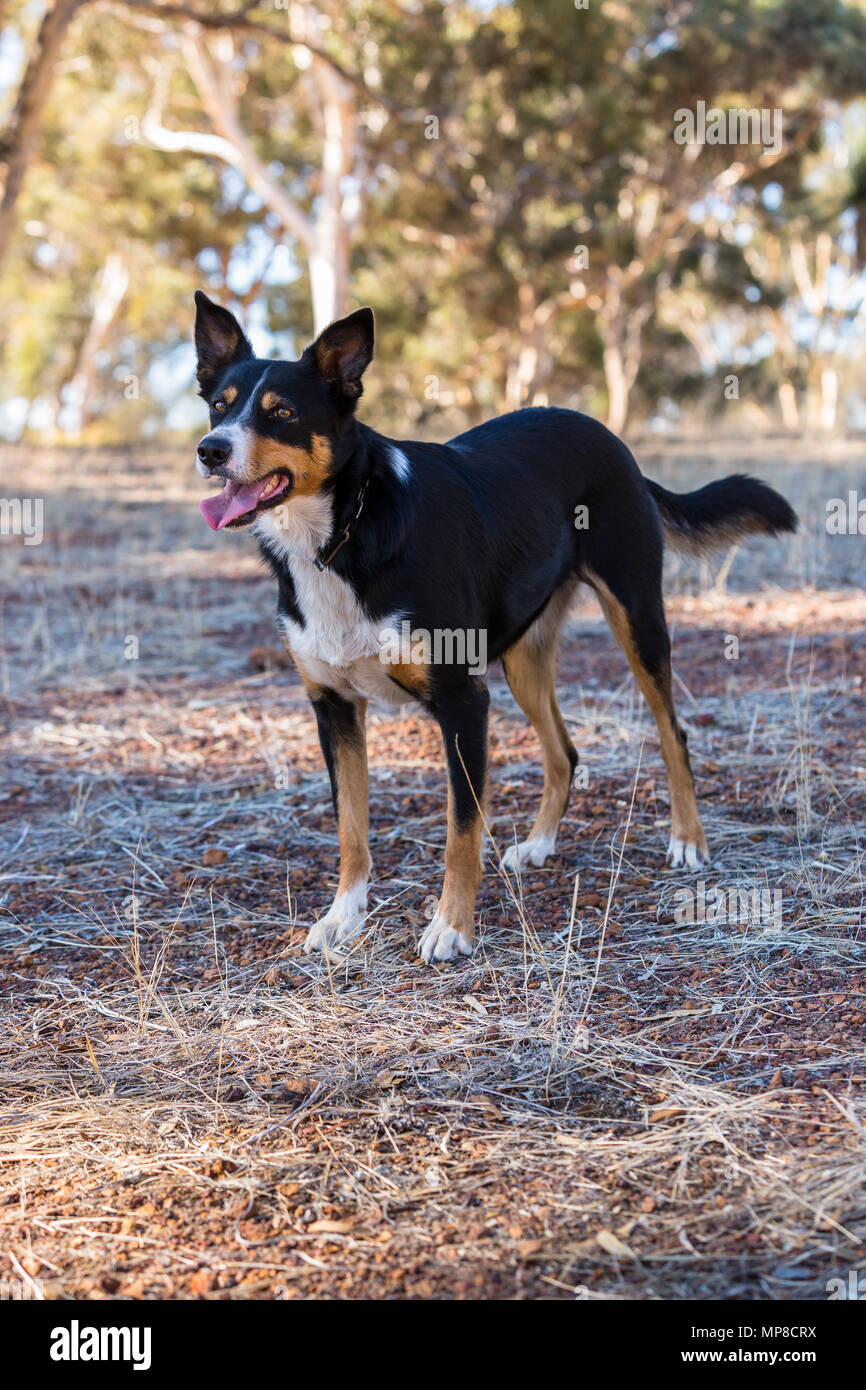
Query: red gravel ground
{"points": [[606, 1101]]}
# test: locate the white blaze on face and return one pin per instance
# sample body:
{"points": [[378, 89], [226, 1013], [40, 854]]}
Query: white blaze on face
{"points": [[240, 438]]}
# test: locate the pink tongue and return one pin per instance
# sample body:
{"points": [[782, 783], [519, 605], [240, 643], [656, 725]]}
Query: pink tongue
{"points": [[233, 501]]}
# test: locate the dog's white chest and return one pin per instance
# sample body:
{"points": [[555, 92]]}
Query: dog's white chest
{"points": [[336, 629], [337, 643]]}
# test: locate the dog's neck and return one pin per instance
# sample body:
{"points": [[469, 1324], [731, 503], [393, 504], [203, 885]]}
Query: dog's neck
{"points": [[313, 528]]}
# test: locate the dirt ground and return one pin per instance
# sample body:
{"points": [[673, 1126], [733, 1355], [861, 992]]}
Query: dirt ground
{"points": [[610, 1100]]}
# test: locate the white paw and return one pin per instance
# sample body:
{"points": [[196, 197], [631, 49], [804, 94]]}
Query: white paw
{"points": [[443, 942], [684, 854], [533, 851], [343, 920]]}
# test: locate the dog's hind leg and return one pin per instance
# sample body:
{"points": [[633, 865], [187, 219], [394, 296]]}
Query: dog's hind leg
{"points": [[530, 669], [342, 735], [640, 628]]}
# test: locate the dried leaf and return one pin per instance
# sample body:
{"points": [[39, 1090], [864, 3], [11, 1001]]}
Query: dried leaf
{"points": [[666, 1112], [614, 1246]]}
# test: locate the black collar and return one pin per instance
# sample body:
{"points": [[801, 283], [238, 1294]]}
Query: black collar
{"points": [[321, 562]]}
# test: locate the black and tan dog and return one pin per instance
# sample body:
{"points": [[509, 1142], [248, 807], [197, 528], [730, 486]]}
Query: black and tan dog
{"points": [[365, 535]]}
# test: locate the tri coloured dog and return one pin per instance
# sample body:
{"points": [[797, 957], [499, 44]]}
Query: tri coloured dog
{"points": [[365, 533]]}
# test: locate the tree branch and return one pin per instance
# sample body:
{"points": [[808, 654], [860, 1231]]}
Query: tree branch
{"points": [[239, 19], [230, 143]]}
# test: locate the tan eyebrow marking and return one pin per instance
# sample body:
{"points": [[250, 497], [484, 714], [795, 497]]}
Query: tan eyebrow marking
{"points": [[271, 399], [229, 395]]}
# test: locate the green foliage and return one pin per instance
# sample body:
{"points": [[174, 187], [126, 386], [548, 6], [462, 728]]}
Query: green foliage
{"points": [[555, 132]]}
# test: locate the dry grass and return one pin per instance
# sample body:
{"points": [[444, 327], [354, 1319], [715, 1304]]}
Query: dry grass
{"points": [[604, 1099]]}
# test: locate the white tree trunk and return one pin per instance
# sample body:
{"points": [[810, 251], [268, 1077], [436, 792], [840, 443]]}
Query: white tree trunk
{"points": [[337, 206], [323, 289], [829, 399], [326, 234], [788, 405], [617, 389], [110, 289]]}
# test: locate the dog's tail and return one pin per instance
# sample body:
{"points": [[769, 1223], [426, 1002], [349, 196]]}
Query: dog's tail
{"points": [[721, 513]]}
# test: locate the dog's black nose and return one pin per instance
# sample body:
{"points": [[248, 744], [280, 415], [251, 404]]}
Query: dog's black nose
{"points": [[213, 451]]}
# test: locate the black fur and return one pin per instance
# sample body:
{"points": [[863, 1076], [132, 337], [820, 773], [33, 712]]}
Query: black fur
{"points": [[484, 533], [337, 722], [462, 717], [728, 509]]}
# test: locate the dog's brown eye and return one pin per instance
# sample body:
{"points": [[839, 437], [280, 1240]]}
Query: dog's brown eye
{"points": [[285, 412], [219, 406]]}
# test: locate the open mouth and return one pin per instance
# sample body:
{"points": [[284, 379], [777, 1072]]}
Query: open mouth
{"points": [[238, 503]]}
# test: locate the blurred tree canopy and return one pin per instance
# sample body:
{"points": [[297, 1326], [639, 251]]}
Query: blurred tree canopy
{"points": [[501, 181]]}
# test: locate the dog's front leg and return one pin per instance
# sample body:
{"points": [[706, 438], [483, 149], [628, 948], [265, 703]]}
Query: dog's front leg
{"points": [[462, 718], [342, 735]]}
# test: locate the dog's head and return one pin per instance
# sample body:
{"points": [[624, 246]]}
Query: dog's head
{"points": [[274, 426]]}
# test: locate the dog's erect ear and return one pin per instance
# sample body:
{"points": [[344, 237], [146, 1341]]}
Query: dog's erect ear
{"points": [[219, 339], [344, 350]]}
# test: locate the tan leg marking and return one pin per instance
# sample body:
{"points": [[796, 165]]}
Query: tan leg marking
{"points": [[452, 930], [688, 841], [347, 914], [530, 667], [353, 803], [411, 676]]}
